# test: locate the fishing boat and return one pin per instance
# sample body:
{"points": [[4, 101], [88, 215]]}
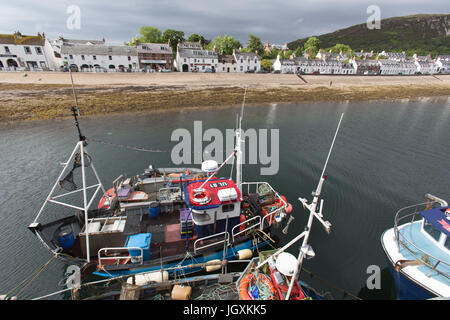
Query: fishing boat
{"points": [[181, 220], [418, 250], [274, 276]]}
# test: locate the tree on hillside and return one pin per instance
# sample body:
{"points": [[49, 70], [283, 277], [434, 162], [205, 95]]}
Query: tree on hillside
{"points": [[173, 36], [224, 44], [341, 47], [312, 46], [149, 34], [196, 38], [299, 51]]}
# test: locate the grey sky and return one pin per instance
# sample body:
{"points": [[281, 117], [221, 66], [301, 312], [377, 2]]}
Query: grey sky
{"points": [[277, 21]]}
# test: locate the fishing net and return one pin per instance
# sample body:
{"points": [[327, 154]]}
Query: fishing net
{"points": [[68, 183]]}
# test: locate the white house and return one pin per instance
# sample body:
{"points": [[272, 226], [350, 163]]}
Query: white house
{"points": [[442, 64], [247, 61], [424, 67], [52, 49], [393, 67], [22, 52], [286, 65], [91, 57], [227, 63], [191, 57]]}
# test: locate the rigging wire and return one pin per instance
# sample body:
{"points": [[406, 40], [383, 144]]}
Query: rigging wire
{"points": [[136, 148]]}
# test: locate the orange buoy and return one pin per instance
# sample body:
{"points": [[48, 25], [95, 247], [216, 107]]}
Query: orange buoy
{"points": [[289, 208]]}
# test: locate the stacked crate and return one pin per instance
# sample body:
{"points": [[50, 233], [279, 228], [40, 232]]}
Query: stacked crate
{"points": [[186, 225]]}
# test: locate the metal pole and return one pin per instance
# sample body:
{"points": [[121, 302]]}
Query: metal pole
{"points": [[225, 245], [86, 218], [311, 215]]}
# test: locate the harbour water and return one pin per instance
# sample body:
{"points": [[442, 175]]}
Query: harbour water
{"points": [[387, 155]]}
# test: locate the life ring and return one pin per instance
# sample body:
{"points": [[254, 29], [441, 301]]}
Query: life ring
{"points": [[250, 279], [200, 196]]}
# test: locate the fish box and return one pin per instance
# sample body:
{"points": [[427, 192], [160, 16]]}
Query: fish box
{"points": [[140, 240]]}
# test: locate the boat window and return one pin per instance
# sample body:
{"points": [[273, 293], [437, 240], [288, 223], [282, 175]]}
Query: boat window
{"points": [[228, 207], [431, 230], [447, 243]]}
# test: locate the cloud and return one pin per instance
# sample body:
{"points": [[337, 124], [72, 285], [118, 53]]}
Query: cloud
{"points": [[276, 21]]}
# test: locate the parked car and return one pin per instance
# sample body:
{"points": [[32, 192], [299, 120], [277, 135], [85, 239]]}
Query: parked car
{"points": [[209, 70], [261, 71], [250, 71], [276, 71]]}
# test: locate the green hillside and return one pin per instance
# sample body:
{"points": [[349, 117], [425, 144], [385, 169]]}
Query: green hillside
{"points": [[422, 34]]}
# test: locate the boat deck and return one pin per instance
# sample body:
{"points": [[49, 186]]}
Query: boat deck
{"points": [[412, 233]]}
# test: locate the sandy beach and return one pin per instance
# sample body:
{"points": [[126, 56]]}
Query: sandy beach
{"points": [[48, 95]]}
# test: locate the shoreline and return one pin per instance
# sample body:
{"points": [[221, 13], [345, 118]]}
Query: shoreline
{"points": [[44, 96]]}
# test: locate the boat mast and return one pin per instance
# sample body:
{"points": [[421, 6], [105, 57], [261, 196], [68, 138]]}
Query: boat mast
{"points": [[305, 248], [81, 150], [238, 148]]}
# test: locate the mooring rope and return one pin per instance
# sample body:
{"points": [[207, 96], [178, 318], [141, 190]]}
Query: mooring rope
{"points": [[125, 146], [30, 278]]}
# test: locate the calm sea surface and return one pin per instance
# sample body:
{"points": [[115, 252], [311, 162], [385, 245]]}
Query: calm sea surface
{"points": [[387, 155]]}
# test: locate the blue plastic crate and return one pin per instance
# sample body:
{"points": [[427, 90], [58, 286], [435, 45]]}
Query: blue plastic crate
{"points": [[140, 240]]}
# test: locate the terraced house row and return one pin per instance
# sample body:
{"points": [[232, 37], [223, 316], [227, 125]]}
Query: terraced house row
{"points": [[20, 52], [383, 63]]}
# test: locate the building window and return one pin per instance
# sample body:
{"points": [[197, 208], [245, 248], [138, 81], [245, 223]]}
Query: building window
{"points": [[129, 58], [110, 58], [242, 68], [70, 56], [6, 50], [94, 57], [27, 50], [82, 57], [38, 50]]}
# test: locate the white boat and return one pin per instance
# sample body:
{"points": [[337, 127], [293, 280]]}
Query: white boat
{"points": [[418, 250]]}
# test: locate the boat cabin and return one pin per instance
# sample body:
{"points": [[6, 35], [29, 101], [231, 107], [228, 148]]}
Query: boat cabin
{"points": [[436, 225], [211, 203]]}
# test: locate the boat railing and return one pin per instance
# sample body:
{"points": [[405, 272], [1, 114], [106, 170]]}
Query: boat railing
{"points": [[252, 226], [411, 214], [139, 259], [253, 187], [225, 237]]}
